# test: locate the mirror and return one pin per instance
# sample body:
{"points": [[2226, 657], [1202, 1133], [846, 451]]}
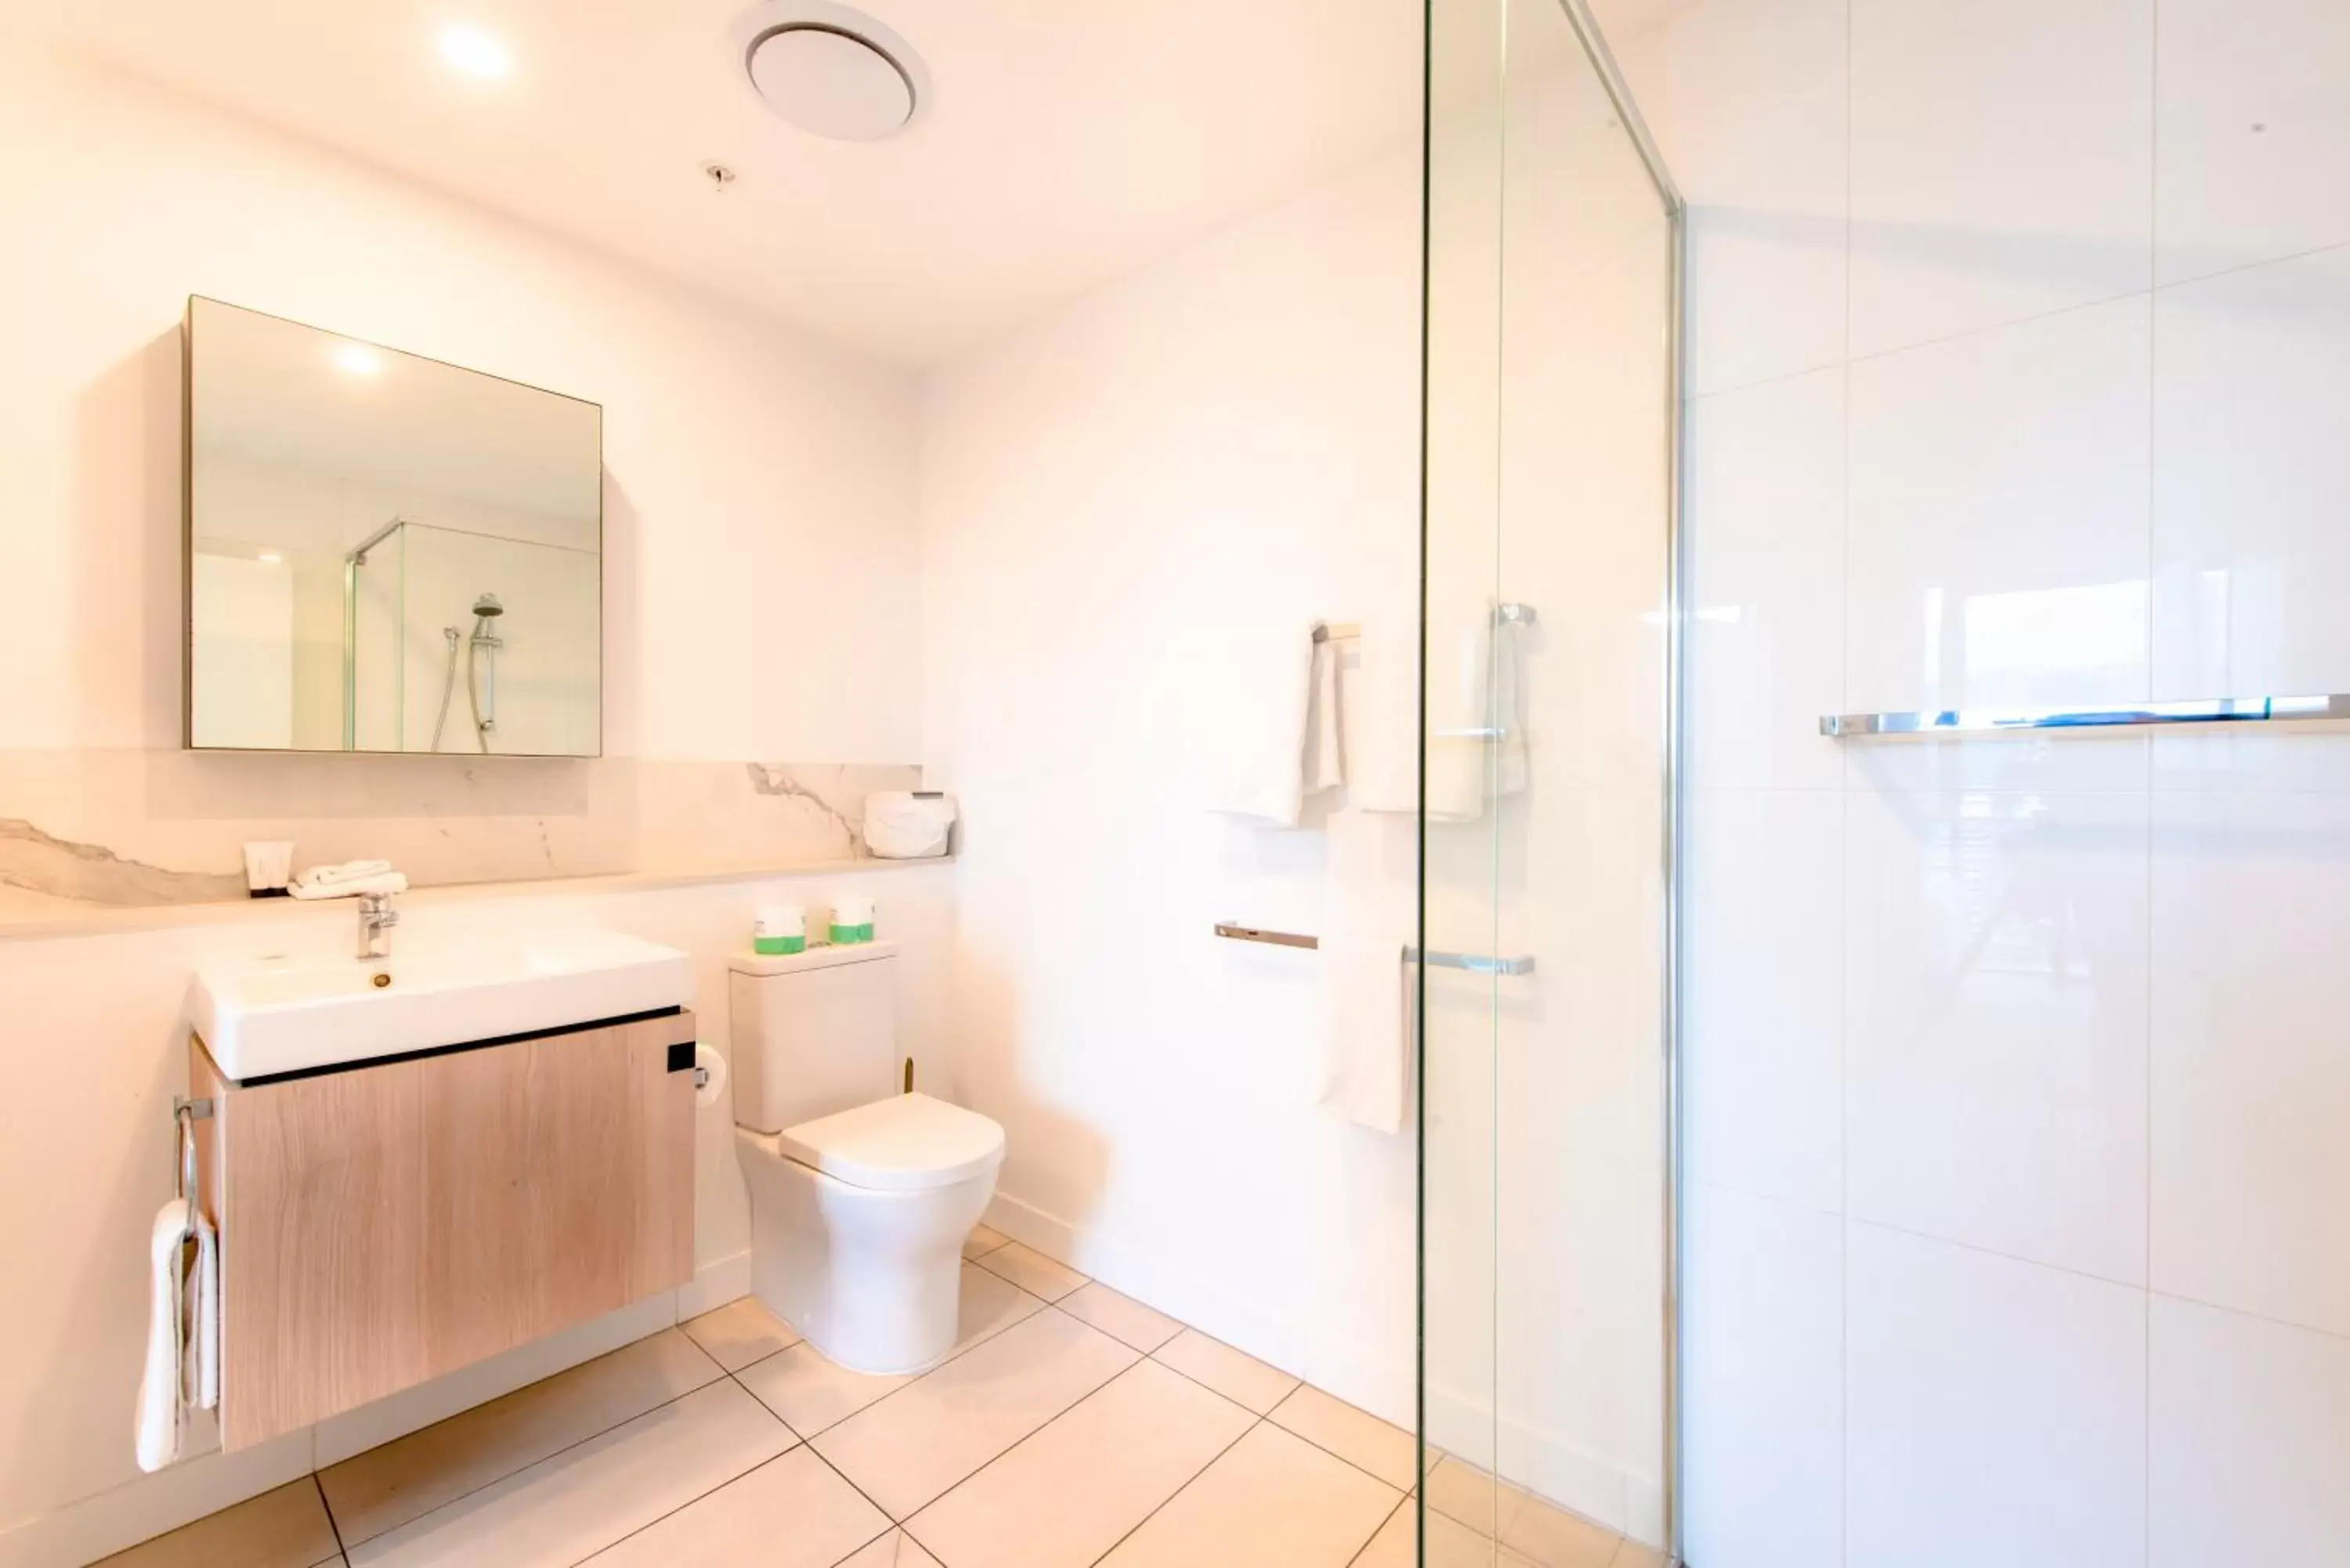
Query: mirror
{"points": [[385, 553]]}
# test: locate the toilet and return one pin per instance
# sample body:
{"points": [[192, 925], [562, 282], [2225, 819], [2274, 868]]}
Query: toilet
{"points": [[861, 1195]]}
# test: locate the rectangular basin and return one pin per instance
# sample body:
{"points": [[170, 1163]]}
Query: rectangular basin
{"points": [[263, 1017]]}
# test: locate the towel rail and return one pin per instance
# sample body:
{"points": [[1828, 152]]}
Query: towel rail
{"points": [[1476, 963]]}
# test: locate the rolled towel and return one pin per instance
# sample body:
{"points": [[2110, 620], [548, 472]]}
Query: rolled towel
{"points": [[386, 882]]}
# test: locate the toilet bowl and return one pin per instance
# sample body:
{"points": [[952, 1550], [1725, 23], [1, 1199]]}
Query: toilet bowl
{"points": [[857, 1221]]}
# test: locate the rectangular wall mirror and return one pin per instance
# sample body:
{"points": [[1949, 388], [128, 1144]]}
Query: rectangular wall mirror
{"points": [[385, 553]]}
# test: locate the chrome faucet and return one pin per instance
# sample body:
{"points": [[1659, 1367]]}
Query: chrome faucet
{"points": [[377, 916]]}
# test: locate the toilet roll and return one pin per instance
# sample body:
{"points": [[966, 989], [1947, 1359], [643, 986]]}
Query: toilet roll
{"points": [[712, 1064]]}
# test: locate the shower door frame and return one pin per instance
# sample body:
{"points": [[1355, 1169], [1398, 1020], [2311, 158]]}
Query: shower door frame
{"points": [[1672, 761]]}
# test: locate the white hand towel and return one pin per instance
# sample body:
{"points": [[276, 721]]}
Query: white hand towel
{"points": [[206, 1339], [1265, 695], [348, 871], [1367, 1003], [1324, 763], [1384, 771], [160, 1390], [384, 882]]}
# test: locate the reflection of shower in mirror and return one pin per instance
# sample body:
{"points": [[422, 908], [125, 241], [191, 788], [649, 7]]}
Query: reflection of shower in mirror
{"points": [[480, 672]]}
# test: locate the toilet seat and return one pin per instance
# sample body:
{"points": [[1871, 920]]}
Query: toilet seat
{"points": [[907, 1142]]}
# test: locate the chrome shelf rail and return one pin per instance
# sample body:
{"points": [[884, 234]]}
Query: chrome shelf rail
{"points": [[2006, 721], [1476, 963]]}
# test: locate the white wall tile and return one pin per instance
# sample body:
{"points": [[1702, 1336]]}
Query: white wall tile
{"points": [[1999, 529], [2251, 1078], [2001, 161], [1996, 1032], [2250, 123], [1996, 1410], [1766, 482], [1765, 1341], [1747, 98], [1764, 1037], [2248, 1439], [2251, 400]]}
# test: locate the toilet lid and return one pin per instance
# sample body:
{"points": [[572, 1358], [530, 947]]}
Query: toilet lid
{"points": [[904, 1144]]}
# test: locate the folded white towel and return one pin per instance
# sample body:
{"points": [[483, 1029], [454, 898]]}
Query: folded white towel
{"points": [[383, 882], [1384, 771], [348, 871], [1367, 1012], [161, 1389], [205, 1330], [1324, 764], [1257, 755]]}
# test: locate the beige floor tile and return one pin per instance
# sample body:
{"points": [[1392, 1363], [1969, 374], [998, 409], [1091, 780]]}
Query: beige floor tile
{"points": [[1357, 1437], [1451, 1545], [386, 1487], [1120, 1317], [809, 1393], [1632, 1554], [286, 1528], [1243, 1380], [895, 1550], [982, 1240], [791, 1512], [1557, 1539], [812, 1394], [1071, 1491], [910, 1448], [1471, 1496], [739, 1332], [573, 1504], [1273, 1500], [990, 1303], [1032, 1271]]}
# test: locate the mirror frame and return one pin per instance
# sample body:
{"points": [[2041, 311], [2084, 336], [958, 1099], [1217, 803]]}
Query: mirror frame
{"points": [[188, 547]]}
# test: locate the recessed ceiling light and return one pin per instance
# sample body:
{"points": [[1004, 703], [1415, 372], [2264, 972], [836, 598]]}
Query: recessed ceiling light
{"points": [[358, 359], [476, 52]]}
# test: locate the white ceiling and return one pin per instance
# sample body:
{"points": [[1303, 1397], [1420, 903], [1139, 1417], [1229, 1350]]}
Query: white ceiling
{"points": [[1069, 141]]}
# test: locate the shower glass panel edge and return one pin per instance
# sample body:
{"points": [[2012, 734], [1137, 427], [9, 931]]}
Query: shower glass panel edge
{"points": [[1549, 222]]}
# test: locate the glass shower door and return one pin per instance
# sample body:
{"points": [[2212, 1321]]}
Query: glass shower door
{"points": [[1547, 803]]}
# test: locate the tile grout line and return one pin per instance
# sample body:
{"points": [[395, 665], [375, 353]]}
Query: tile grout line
{"points": [[556, 1453], [1187, 1485], [1402, 1503], [342, 1552], [810, 1445]]}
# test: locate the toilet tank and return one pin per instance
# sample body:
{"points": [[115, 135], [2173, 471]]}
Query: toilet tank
{"points": [[814, 1032]]}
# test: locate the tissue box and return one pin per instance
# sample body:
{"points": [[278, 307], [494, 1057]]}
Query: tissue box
{"points": [[899, 825]]}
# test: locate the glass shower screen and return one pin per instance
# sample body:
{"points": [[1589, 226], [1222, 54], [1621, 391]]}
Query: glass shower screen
{"points": [[1547, 807]]}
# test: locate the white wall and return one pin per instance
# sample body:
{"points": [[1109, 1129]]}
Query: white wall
{"points": [[759, 493], [2015, 1074], [760, 498], [1226, 441]]}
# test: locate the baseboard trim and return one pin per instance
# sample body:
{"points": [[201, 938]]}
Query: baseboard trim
{"points": [[1354, 1371], [715, 1284], [99, 1526]]}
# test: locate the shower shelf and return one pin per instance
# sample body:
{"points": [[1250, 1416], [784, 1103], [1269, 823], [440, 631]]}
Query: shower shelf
{"points": [[2000, 722]]}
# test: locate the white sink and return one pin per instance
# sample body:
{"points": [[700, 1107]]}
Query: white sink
{"points": [[268, 1016]]}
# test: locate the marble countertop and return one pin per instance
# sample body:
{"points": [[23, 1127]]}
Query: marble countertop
{"points": [[92, 920]]}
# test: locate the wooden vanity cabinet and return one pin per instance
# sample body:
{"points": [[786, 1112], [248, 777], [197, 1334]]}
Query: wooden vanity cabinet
{"points": [[384, 1223]]}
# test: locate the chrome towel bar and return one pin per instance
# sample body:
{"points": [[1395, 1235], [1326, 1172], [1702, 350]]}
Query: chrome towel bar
{"points": [[1476, 963], [1997, 721]]}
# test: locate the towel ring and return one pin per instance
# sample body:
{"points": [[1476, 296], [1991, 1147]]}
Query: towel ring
{"points": [[185, 1114]]}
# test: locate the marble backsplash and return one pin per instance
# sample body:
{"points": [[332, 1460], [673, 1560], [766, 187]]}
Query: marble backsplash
{"points": [[112, 829]]}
